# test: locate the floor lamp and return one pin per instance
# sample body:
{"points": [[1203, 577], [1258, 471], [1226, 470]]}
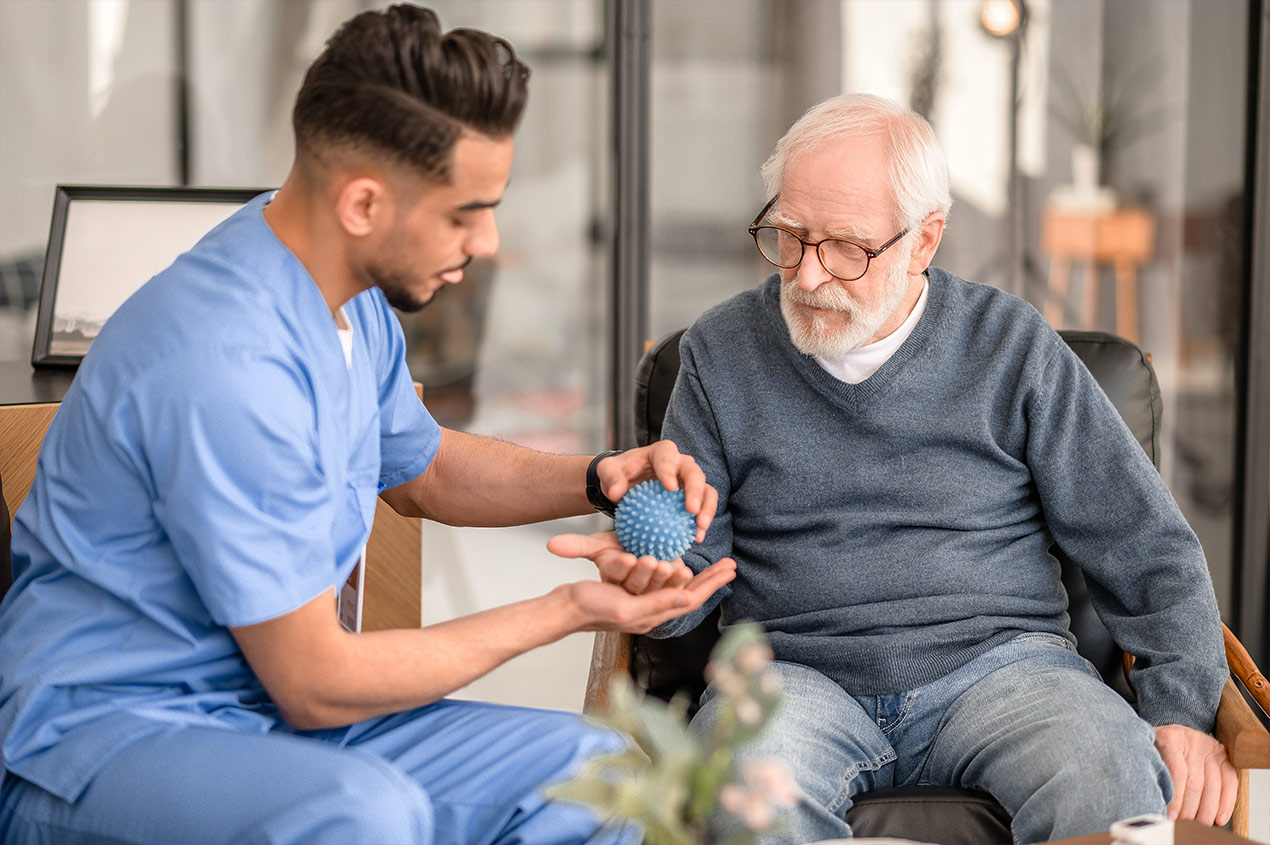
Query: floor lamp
{"points": [[1007, 20]]}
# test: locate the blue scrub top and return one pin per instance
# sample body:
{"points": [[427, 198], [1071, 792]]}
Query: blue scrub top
{"points": [[213, 465]]}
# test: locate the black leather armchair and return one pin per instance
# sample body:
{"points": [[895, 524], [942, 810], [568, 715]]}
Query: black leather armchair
{"points": [[929, 814]]}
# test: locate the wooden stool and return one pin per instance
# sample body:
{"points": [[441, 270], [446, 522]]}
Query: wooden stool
{"points": [[1122, 238]]}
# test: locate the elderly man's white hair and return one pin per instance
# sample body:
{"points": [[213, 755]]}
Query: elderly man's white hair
{"points": [[918, 175]]}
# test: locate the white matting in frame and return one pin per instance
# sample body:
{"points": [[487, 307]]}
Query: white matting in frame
{"points": [[105, 242]]}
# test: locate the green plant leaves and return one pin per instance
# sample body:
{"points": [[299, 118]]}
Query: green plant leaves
{"points": [[670, 778]]}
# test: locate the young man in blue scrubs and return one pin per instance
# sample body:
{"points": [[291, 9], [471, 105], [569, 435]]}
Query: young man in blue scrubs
{"points": [[171, 664]]}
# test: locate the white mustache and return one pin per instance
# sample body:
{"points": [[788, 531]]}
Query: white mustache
{"points": [[827, 297]]}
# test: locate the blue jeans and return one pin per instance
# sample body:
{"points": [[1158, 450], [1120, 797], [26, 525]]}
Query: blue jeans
{"points": [[1029, 721], [449, 773]]}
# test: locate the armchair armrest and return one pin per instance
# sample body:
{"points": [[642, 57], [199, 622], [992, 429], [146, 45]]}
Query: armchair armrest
{"points": [[1242, 667], [1246, 740], [1247, 745], [610, 658]]}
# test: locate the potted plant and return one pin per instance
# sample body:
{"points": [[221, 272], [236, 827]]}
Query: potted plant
{"points": [[684, 787], [1100, 124]]}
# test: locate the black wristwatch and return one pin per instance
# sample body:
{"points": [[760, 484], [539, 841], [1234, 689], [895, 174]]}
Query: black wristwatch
{"points": [[594, 494]]}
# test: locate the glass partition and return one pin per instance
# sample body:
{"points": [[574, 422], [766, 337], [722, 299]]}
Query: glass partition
{"points": [[89, 96]]}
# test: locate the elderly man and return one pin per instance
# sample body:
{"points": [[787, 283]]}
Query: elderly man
{"points": [[172, 666], [896, 451]]}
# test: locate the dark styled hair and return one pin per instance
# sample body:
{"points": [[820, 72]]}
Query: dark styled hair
{"points": [[391, 82]]}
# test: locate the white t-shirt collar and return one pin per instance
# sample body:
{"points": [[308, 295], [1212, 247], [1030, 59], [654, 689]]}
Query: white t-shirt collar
{"points": [[863, 361]]}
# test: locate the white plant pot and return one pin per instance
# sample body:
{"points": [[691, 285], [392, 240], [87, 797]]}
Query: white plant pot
{"points": [[1084, 194], [1085, 169]]}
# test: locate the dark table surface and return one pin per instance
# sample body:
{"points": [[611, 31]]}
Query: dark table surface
{"points": [[22, 384], [1184, 833]]}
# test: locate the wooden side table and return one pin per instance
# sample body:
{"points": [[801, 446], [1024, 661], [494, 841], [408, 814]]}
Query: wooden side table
{"points": [[1121, 238], [1184, 833]]}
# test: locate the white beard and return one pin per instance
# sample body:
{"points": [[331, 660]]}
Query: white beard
{"points": [[828, 336]]}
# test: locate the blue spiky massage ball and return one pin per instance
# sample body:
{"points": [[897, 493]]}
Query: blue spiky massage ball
{"points": [[651, 520]]}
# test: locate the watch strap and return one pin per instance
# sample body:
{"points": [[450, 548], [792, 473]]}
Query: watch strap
{"points": [[594, 494]]}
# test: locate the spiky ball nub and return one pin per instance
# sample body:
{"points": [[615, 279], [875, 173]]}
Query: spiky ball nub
{"points": [[651, 520]]}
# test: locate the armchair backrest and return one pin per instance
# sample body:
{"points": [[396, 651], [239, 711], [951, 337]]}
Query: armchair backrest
{"points": [[1125, 374]]}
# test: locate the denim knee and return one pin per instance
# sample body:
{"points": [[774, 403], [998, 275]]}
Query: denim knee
{"points": [[830, 745], [1061, 751], [1114, 772]]}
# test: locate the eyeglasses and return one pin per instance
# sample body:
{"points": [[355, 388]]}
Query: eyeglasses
{"points": [[842, 259]]}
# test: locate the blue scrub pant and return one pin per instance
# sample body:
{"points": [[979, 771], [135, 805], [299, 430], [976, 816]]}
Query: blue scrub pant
{"points": [[451, 773]]}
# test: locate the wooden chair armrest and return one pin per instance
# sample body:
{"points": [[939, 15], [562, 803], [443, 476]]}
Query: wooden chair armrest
{"points": [[1242, 667], [1246, 740], [610, 658]]}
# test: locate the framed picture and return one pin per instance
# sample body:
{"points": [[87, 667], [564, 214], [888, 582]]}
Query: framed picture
{"points": [[104, 244]]}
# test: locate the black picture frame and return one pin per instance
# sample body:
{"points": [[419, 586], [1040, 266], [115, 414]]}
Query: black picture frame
{"points": [[105, 242]]}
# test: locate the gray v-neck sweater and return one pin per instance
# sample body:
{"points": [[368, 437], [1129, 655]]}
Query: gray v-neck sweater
{"points": [[889, 531]]}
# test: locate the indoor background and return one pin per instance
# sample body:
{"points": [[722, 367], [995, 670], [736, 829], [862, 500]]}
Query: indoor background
{"points": [[1138, 112]]}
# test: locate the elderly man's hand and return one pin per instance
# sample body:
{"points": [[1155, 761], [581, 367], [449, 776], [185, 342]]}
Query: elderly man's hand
{"points": [[617, 566], [1204, 782], [663, 461]]}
